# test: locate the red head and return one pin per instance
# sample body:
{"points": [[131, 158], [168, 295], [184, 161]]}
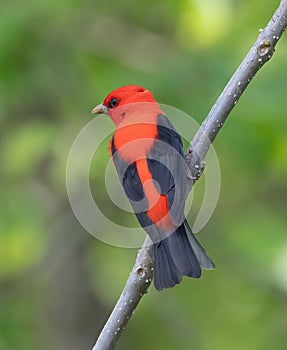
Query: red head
{"points": [[123, 101]]}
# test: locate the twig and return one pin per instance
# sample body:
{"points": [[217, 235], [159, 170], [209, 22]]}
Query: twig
{"points": [[141, 275]]}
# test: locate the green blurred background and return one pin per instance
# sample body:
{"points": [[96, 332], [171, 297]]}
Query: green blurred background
{"points": [[58, 283]]}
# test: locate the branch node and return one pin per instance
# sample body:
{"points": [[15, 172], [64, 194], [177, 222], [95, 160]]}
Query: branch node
{"points": [[264, 48], [140, 272]]}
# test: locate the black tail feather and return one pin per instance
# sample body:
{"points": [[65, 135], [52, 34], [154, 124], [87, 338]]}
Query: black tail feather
{"points": [[180, 254], [166, 275], [204, 260]]}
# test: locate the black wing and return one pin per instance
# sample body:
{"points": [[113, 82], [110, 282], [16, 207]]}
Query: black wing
{"points": [[168, 168]]}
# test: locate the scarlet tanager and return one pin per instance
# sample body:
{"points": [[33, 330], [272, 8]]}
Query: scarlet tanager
{"points": [[148, 155]]}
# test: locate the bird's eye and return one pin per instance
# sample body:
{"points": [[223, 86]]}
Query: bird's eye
{"points": [[113, 102]]}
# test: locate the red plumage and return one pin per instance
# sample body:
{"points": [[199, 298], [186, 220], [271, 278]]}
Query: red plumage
{"points": [[148, 155]]}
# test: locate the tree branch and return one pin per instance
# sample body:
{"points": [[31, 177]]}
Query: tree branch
{"points": [[141, 275], [137, 284]]}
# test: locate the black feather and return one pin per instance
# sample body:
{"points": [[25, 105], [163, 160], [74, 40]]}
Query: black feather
{"points": [[166, 274]]}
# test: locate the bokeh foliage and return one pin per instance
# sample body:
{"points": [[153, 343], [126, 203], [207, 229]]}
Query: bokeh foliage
{"points": [[58, 283]]}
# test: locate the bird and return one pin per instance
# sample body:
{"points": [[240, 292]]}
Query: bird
{"points": [[147, 152]]}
